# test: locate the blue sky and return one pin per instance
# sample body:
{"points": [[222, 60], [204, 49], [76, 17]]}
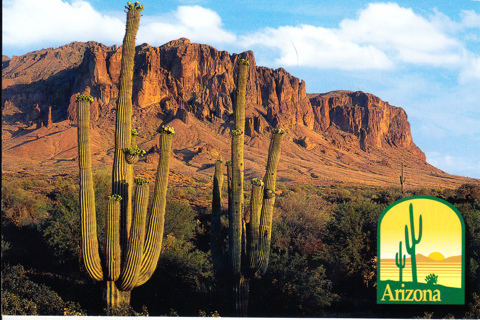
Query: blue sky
{"points": [[423, 56]]}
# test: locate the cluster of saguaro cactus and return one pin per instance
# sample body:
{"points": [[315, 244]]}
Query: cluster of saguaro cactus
{"points": [[132, 246], [411, 248], [399, 261], [402, 180], [249, 230]]}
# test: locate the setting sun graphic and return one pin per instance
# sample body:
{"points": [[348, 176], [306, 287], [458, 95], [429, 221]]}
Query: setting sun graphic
{"points": [[437, 256]]}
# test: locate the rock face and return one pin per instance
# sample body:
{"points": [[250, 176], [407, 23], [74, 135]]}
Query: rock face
{"points": [[182, 79], [336, 136], [374, 122]]}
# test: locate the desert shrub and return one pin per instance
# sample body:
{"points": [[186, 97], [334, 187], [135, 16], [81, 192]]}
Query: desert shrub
{"points": [[471, 214], [179, 219], [22, 206], [183, 281], [351, 244], [293, 286], [300, 221], [389, 195], [473, 308], [21, 296], [62, 228], [469, 192]]}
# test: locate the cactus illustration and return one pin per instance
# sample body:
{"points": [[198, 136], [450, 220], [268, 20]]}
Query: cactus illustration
{"points": [[415, 241], [132, 245], [398, 260], [249, 230], [431, 279], [402, 180]]}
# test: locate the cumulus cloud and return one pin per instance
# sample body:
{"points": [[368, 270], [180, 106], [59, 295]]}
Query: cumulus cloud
{"points": [[193, 22], [318, 47], [33, 22], [402, 34], [382, 36]]}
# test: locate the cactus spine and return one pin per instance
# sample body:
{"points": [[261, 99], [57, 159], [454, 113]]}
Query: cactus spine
{"points": [[249, 230], [415, 241], [402, 180], [132, 246], [398, 260]]}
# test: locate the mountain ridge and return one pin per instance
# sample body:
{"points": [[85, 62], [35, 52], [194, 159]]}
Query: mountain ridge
{"points": [[336, 136]]}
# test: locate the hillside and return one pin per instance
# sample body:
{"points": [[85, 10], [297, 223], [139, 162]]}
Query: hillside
{"points": [[340, 136]]}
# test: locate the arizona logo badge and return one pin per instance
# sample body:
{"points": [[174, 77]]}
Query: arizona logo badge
{"points": [[421, 253]]}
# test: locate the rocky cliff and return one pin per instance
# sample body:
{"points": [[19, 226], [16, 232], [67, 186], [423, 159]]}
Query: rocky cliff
{"points": [[194, 84], [182, 78]]}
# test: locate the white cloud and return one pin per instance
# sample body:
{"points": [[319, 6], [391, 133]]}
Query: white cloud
{"points": [[455, 164], [471, 70], [317, 47], [193, 22], [470, 19], [383, 36], [403, 35], [32, 22]]}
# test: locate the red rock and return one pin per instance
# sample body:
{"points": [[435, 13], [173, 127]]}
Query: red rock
{"points": [[186, 81]]}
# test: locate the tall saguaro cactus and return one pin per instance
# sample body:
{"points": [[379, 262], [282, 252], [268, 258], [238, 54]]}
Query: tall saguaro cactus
{"points": [[399, 261], [132, 246], [249, 230], [411, 248]]}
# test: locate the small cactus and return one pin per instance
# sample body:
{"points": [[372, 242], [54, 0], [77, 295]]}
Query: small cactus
{"points": [[431, 279], [402, 180], [398, 260]]}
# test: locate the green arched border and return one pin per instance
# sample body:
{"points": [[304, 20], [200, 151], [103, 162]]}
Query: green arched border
{"points": [[462, 222]]}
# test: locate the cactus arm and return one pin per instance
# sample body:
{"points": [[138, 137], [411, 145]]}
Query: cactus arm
{"points": [[399, 262], [229, 185], [216, 241], [153, 241], [253, 225], [112, 238], [90, 250], [420, 229], [269, 199], [131, 269]]}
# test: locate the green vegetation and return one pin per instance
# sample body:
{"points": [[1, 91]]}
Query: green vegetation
{"points": [[322, 261]]}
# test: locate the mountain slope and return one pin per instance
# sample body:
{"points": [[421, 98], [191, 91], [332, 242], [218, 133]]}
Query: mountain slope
{"points": [[339, 136]]}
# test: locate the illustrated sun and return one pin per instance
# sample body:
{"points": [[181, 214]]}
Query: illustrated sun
{"points": [[437, 256]]}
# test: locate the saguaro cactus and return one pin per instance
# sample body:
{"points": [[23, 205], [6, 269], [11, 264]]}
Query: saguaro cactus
{"points": [[249, 230], [132, 247], [402, 180], [399, 262], [415, 241]]}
